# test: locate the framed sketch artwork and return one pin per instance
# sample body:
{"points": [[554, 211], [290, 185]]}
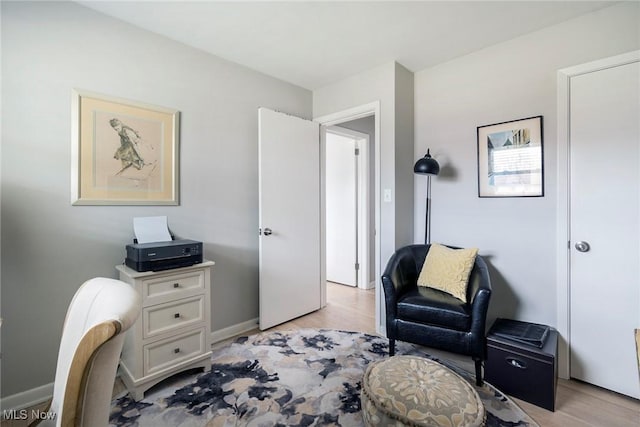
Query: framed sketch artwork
{"points": [[510, 162], [123, 152]]}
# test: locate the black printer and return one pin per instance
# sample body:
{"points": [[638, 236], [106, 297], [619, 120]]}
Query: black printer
{"points": [[159, 256]]}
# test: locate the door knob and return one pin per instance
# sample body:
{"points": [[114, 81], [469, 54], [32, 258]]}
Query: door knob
{"points": [[267, 232], [582, 246]]}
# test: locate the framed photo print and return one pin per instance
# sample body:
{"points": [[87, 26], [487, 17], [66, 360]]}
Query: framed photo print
{"points": [[123, 152], [510, 161]]}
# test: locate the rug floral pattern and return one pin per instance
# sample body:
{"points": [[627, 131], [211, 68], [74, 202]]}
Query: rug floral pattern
{"points": [[306, 377]]}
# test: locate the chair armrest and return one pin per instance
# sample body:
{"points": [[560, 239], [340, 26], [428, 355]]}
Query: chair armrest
{"points": [[401, 274], [479, 295]]}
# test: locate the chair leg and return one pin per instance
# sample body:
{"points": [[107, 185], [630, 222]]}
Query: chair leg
{"points": [[392, 347], [479, 381]]}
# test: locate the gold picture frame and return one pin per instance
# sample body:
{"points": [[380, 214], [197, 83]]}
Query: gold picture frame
{"points": [[123, 152]]}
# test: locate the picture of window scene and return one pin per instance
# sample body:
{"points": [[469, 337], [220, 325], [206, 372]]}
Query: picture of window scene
{"points": [[514, 160]]}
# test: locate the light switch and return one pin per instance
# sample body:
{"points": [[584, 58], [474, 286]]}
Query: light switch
{"points": [[387, 195]]}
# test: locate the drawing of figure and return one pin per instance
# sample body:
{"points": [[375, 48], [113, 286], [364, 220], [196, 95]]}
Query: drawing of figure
{"points": [[128, 152]]}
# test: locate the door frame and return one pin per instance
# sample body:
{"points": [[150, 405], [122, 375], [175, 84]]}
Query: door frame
{"points": [[358, 112], [563, 226], [362, 203]]}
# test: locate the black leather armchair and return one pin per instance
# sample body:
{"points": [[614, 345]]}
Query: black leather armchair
{"points": [[433, 318]]}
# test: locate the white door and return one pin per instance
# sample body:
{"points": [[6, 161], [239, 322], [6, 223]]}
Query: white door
{"points": [[289, 187], [341, 188], [604, 227]]}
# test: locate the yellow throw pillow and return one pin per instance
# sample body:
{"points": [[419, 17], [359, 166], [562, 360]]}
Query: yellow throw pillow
{"points": [[448, 270]]}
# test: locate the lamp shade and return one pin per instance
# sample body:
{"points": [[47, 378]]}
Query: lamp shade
{"points": [[427, 165]]}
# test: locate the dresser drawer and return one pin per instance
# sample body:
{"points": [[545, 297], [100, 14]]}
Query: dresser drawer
{"points": [[166, 353], [164, 288], [170, 316]]}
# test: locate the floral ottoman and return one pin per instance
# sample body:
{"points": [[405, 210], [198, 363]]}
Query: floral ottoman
{"points": [[415, 391]]}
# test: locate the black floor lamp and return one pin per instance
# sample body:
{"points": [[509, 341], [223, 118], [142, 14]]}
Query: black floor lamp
{"points": [[427, 166]]}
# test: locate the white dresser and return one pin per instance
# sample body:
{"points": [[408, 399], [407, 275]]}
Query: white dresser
{"points": [[173, 332]]}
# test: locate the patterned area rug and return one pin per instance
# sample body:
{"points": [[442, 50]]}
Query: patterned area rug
{"points": [[307, 377]]}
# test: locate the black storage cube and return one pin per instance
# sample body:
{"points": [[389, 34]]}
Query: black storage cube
{"points": [[522, 370]]}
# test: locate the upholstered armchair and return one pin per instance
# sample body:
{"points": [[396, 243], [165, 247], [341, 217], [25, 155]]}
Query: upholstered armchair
{"points": [[433, 318], [92, 339]]}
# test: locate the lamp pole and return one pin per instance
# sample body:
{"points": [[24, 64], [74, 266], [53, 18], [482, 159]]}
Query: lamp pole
{"points": [[427, 166], [427, 214]]}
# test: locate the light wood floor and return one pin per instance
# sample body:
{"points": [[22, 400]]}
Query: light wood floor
{"points": [[577, 403], [348, 308]]}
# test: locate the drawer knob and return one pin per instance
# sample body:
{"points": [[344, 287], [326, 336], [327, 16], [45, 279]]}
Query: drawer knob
{"points": [[176, 350], [177, 315], [176, 285]]}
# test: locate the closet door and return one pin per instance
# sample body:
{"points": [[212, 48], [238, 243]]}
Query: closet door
{"points": [[341, 184], [604, 227]]}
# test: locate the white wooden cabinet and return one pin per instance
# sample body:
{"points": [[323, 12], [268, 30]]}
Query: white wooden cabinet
{"points": [[173, 332]]}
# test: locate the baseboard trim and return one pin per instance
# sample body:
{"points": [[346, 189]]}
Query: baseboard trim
{"points": [[369, 285], [28, 398], [233, 330]]}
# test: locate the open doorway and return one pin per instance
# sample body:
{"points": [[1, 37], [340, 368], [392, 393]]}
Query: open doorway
{"points": [[348, 206], [350, 118]]}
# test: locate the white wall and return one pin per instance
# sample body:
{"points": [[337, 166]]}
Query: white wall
{"points": [[404, 157], [50, 247], [512, 80]]}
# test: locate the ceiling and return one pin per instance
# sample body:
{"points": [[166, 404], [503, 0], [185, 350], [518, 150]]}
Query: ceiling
{"points": [[312, 44]]}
